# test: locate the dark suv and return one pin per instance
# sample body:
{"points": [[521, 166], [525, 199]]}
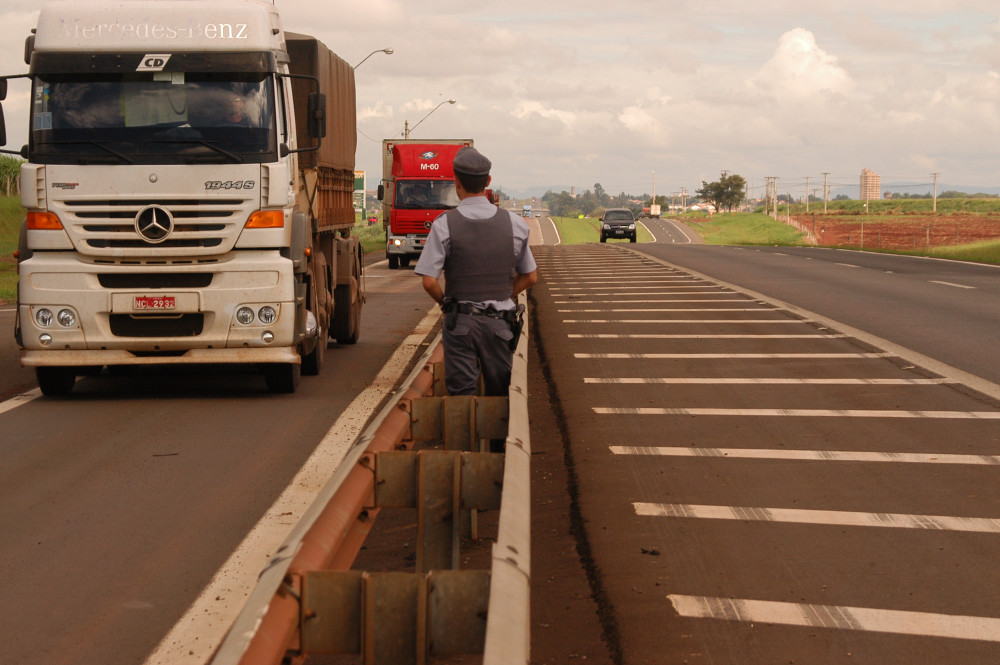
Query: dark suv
{"points": [[618, 223]]}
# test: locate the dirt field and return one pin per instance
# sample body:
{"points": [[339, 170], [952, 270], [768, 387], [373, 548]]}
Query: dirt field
{"points": [[911, 232]]}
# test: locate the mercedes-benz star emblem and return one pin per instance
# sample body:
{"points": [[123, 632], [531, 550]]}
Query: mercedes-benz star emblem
{"points": [[154, 224], [428, 225]]}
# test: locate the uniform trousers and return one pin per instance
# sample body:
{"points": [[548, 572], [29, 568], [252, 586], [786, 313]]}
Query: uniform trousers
{"points": [[477, 344]]}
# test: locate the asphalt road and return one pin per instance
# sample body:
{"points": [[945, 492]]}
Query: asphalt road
{"points": [[749, 486], [751, 483], [120, 503]]}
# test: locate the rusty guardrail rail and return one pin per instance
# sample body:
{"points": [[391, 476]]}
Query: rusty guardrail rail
{"points": [[308, 601]]}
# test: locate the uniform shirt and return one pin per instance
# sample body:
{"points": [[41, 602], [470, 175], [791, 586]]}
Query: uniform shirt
{"points": [[431, 261]]}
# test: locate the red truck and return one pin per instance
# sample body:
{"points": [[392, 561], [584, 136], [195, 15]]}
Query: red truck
{"points": [[418, 184]]}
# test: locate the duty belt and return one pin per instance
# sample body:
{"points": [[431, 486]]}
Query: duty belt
{"points": [[465, 308]]}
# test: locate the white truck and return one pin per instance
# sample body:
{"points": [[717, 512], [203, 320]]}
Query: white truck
{"points": [[188, 189]]}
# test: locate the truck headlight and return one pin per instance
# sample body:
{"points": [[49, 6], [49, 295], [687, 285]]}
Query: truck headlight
{"points": [[606, 227], [267, 315], [631, 227], [44, 317], [244, 315], [66, 318]]}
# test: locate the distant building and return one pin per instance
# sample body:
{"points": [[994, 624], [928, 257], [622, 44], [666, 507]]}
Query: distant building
{"points": [[871, 185]]}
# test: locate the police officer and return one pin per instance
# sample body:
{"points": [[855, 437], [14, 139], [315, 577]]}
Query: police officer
{"points": [[484, 254]]}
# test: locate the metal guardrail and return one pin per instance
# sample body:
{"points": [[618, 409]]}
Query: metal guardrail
{"points": [[308, 601]]}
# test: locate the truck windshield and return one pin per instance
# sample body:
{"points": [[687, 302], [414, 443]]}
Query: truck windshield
{"points": [[425, 194], [152, 118]]}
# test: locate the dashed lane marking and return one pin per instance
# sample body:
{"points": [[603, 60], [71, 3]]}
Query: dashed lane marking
{"points": [[988, 525], [799, 413], [954, 626], [807, 455], [673, 321], [957, 286], [699, 336], [718, 356], [662, 310], [767, 381]]}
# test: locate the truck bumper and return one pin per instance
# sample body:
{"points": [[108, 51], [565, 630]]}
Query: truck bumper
{"points": [[405, 245], [162, 313]]}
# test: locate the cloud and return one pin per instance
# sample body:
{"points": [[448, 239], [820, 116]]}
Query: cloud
{"points": [[801, 69]]}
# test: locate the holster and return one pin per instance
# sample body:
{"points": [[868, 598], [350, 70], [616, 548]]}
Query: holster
{"points": [[515, 319], [450, 308]]}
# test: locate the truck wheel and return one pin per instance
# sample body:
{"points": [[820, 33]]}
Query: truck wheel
{"points": [[404, 262], [56, 381], [632, 239], [393, 262], [346, 324], [312, 362], [282, 377], [603, 239]]}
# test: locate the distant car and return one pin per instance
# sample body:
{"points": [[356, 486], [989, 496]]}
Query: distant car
{"points": [[538, 214], [618, 223], [372, 220]]}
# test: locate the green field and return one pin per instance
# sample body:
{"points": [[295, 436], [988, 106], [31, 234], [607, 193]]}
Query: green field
{"points": [[11, 215]]}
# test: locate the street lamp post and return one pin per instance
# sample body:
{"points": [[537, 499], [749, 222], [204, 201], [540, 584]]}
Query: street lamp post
{"points": [[406, 124], [387, 51]]}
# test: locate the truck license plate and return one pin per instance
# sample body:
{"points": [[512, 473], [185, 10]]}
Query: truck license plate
{"points": [[154, 302]]}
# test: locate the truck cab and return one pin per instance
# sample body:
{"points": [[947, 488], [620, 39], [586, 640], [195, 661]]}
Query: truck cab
{"points": [[418, 184]]}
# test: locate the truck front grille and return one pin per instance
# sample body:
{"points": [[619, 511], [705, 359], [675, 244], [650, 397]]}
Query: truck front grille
{"points": [[182, 280], [420, 227], [106, 228]]}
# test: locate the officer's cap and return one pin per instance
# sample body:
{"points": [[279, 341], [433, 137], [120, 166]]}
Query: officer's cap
{"points": [[471, 162]]}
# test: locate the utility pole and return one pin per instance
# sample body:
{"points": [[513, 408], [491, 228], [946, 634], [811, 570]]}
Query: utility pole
{"points": [[807, 195], [826, 192], [934, 209]]}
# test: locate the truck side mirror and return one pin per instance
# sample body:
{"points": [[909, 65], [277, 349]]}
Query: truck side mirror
{"points": [[317, 115], [381, 192], [3, 89]]}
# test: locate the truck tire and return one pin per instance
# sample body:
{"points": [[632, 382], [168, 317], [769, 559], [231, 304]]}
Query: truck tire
{"points": [[319, 292], [345, 326], [404, 262], [55, 381], [632, 239], [312, 363], [282, 377], [603, 239], [393, 262]]}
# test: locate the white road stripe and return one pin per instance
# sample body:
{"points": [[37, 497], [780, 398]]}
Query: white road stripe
{"points": [[660, 291], [699, 336], [766, 381], [19, 400], [663, 310], [957, 286], [988, 525], [798, 413], [807, 455], [847, 265], [953, 626], [647, 300], [671, 321], [718, 356]]}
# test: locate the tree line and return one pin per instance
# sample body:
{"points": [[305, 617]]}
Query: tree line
{"points": [[592, 203]]}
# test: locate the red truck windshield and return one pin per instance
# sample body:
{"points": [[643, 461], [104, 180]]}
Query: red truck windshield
{"points": [[425, 195]]}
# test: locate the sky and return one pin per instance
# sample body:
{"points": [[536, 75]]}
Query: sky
{"points": [[651, 95]]}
